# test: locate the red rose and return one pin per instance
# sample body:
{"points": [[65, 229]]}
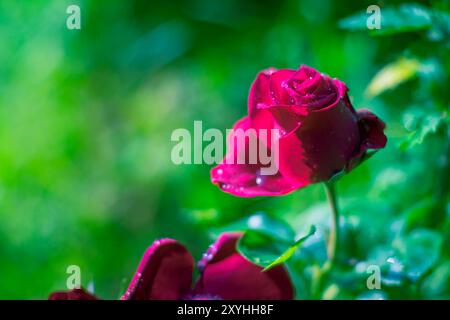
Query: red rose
{"points": [[166, 271], [321, 134]]}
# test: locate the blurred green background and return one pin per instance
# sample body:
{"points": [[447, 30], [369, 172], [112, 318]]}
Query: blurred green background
{"points": [[86, 118]]}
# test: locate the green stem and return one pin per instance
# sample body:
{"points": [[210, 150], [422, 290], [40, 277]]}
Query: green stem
{"points": [[333, 240], [321, 273]]}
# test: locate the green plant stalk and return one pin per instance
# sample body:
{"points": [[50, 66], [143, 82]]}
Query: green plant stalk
{"points": [[333, 240], [321, 273]]}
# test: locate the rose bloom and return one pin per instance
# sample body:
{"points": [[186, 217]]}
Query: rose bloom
{"points": [[165, 273], [320, 133]]}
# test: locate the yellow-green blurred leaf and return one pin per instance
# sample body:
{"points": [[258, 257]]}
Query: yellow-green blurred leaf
{"points": [[392, 75]]}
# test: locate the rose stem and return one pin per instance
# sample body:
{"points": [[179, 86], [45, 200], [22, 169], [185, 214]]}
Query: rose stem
{"points": [[333, 239]]}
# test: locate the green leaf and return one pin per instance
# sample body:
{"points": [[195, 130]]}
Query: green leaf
{"points": [[290, 251], [366, 156], [392, 75], [390, 263], [337, 176], [409, 259], [263, 223], [437, 284], [420, 251], [260, 248], [417, 214], [266, 250], [420, 125], [441, 27], [405, 18]]}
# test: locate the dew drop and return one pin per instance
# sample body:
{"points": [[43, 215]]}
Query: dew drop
{"points": [[391, 260], [255, 222]]}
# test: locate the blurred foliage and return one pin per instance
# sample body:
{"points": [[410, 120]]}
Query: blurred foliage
{"points": [[86, 117]]}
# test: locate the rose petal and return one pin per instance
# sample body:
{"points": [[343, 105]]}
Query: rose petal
{"points": [[246, 179], [164, 273], [260, 91], [372, 136], [309, 95], [74, 294], [371, 129], [228, 275], [321, 146], [279, 86], [311, 89], [284, 118], [305, 72]]}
